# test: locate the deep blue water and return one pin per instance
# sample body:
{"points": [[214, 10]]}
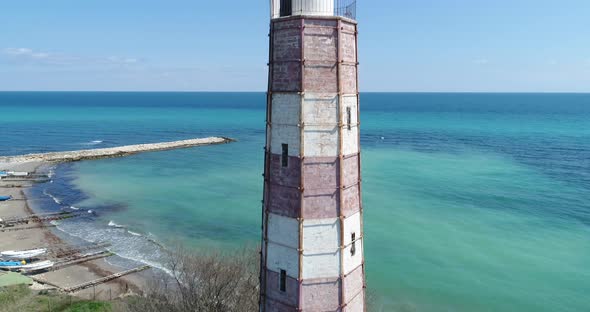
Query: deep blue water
{"points": [[473, 202]]}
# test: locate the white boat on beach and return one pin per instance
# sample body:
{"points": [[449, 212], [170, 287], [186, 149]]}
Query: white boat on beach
{"points": [[37, 266], [31, 267], [24, 254], [13, 174], [17, 174]]}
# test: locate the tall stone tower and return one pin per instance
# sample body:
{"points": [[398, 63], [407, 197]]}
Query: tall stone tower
{"points": [[312, 241]]}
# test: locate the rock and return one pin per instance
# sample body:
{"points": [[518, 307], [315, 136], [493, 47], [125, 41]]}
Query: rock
{"points": [[111, 152]]}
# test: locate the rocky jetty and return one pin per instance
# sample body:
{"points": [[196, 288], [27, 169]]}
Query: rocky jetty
{"points": [[111, 152]]}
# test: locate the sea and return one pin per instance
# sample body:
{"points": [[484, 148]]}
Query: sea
{"points": [[473, 202]]}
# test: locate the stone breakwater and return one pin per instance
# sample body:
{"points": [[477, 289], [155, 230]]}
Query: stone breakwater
{"points": [[112, 152]]}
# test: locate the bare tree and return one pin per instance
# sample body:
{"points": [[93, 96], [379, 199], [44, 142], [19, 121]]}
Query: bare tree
{"points": [[215, 282]]}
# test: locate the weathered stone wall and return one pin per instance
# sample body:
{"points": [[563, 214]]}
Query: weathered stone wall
{"points": [[321, 253], [281, 230], [283, 258], [286, 64], [321, 294], [289, 297]]}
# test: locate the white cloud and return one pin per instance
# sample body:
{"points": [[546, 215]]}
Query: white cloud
{"points": [[61, 59], [25, 52], [122, 60], [481, 61]]}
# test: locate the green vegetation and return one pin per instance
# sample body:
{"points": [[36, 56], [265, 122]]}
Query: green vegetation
{"points": [[89, 306], [10, 295], [21, 298]]}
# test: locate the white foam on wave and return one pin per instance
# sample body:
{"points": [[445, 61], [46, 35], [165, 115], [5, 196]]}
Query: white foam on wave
{"points": [[55, 199], [152, 264], [95, 142], [126, 244], [113, 224], [121, 245]]}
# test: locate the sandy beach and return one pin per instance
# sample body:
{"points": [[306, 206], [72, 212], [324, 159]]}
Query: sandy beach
{"points": [[43, 235], [22, 239]]}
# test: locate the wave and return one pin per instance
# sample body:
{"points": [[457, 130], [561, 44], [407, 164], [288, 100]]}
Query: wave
{"points": [[95, 142], [119, 226], [153, 264], [55, 199], [115, 225], [127, 244]]}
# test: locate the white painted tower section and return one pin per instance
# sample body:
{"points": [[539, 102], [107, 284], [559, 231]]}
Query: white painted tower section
{"points": [[305, 7], [313, 7]]}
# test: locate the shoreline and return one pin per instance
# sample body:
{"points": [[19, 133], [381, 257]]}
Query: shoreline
{"points": [[46, 238], [22, 238]]}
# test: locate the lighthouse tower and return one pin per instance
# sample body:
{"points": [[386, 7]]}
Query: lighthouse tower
{"points": [[312, 241]]}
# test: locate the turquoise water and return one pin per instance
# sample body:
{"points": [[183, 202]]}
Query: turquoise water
{"points": [[473, 202]]}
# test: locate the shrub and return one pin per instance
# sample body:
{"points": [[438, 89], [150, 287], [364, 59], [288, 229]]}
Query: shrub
{"points": [[215, 282]]}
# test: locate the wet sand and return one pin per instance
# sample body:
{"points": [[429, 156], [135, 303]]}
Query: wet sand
{"points": [[44, 237]]}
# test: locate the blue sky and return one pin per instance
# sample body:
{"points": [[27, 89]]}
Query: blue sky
{"points": [[196, 45]]}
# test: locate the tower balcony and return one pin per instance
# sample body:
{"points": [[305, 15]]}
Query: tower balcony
{"points": [[340, 8]]}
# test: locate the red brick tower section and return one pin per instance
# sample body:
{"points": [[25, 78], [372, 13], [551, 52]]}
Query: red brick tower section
{"points": [[312, 241]]}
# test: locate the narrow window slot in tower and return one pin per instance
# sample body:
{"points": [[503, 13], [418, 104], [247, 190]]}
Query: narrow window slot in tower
{"points": [[285, 155], [283, 281], [353, 240], [348, 117]]}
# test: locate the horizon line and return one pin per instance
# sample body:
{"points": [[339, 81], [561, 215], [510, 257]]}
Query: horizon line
{"points": [[397, 92]]}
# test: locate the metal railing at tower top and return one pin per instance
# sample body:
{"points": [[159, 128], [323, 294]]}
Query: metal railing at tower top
{"points": [[343, 8]]}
